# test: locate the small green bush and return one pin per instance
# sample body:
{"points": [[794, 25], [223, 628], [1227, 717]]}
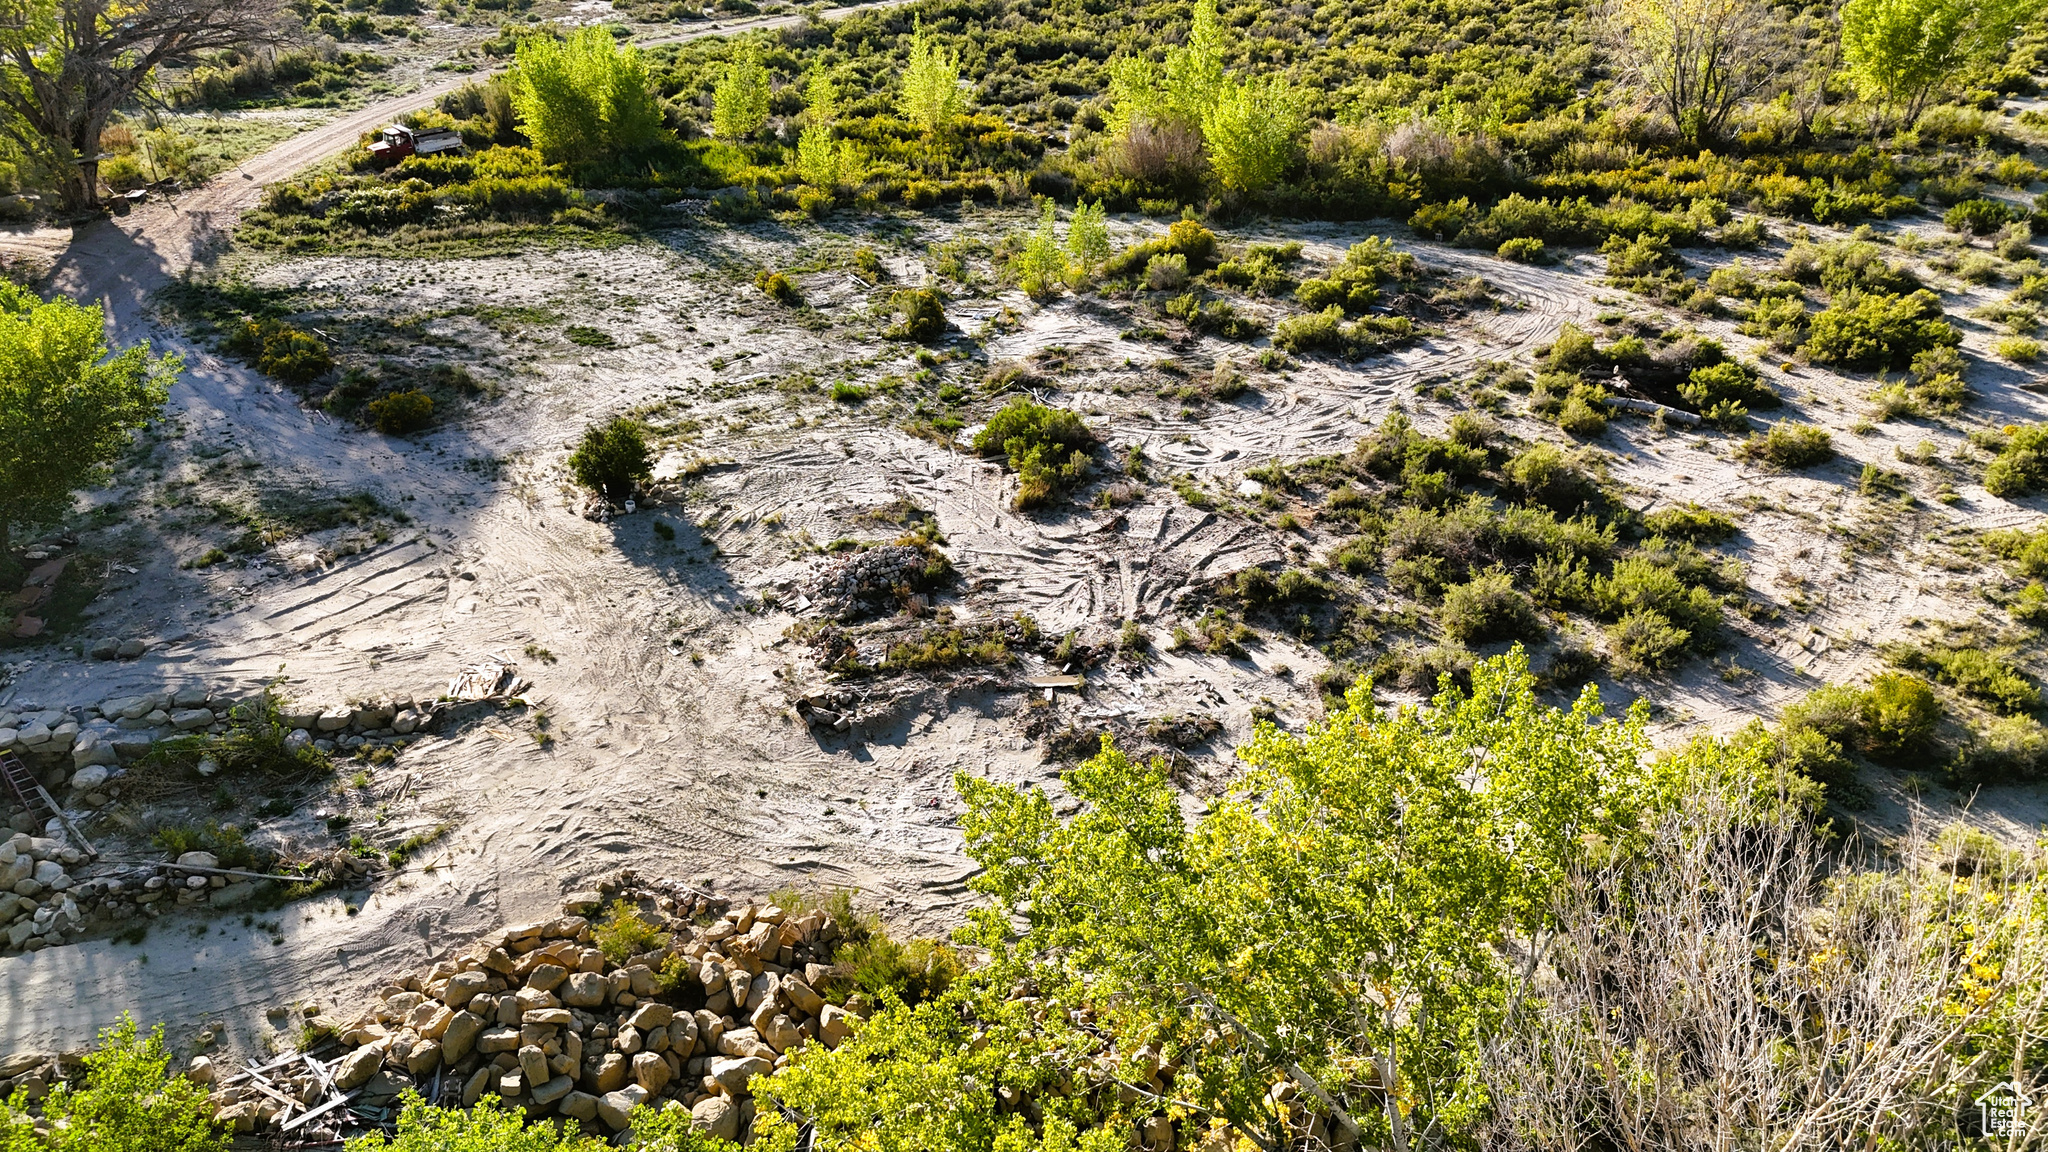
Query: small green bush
{"points": [[924, 315], [2019, 350], [2030, 607], [1788, 445], [128, 1101], [1166, 272], [1899, 715], [1047, 447], [277, 349], [2021, 465], [1644, 641], [778, 288], [1548, 475], [1487, 608], [1978, 217], [1690, 522], [613, 459], [625, 933], [1975, 672], [1874, 330], [1522, 250], [397, 413]]}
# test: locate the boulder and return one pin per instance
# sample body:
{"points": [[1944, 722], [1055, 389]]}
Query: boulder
{"points": [[547, 977], [782, 1034], [424, 1058], [651, 1015], [533, 1064], [549, 1091], [357, 1067], [463, 987], [198, 860], [187, 719], [333, 719], [579, 1106], [130, 649], [584, 990], [616, 1108], [802, 995], [582, 903], [460, 1038], [611, 1073], [105, 648], [200, 1071], [834, 1025], [496, 1040], [479, 1082], [716, 1117], [90, 777], [733, 1072], [297, 740], [650, 1072], [93, 746]]}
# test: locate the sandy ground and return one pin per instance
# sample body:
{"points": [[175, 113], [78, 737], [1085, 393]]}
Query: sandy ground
{"points": [[669, 691]]}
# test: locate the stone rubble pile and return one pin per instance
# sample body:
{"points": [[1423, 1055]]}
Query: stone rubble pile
{"points": [[84, 748], [538, 1016], [843, 588]]}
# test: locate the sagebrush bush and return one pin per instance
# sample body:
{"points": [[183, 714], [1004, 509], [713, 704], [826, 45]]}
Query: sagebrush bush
{"points": [[778, 288], [924, 315], [397, 413], [2021, 465], [613, 459], [1047, 447], [1690, 522], [1788, 445], [1487, 608], [1877, 330]]}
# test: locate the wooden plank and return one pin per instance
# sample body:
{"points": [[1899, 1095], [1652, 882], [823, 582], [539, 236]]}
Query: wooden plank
{"points": [[321, 1110]]}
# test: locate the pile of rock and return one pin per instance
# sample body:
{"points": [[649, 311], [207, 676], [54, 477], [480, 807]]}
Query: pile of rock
{"points": [[84, 748], [540, 1017], [848, 586], [51, 894]]}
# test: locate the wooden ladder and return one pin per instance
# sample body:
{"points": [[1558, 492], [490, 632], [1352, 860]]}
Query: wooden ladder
{"points": [[31, 795]]}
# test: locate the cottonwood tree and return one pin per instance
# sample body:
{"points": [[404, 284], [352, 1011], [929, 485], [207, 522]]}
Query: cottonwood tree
{"points": [[1247, 126], [1701, 59], [584, 98], [66, 65], [1901, 52], [67, 407], [739, 102], [931, 96], [1340, 921]]}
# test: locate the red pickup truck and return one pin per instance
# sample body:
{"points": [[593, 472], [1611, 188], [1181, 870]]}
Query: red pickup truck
{"points": [[397, 142]]}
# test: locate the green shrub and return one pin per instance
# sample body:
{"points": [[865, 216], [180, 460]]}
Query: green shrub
{"points": [[2030, 607], [1487, 608], [1780, 320], [2009, 748], [2019, 350], [1977, 673], [1639, 584], [1899, 715], [1690, 522], [1047, 447], [128, 1101], [613, 459], [924, 315], [1808, 753], [625, 933], [1725, 387], [1552, 477], [2021, 465], [1978, 217], [277, 349], [1522, 250], [778, 288], [1788, 445], [1187, 238], [914, 971], [1166, 272], [1644, 641], [1875, 330], [397, 413]]}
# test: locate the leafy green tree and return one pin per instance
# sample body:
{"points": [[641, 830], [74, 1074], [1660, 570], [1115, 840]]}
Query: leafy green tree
{"points": [[1252, 127], [1088, 238], [931, 96], [1178, 90], [66, 65], [822, 161], [1700, 59], [613, 459], [1340, 919], [129, 1102], [930, 1078], [584, 97], [66, 405], [1901, 52], [1041, 268], [739, 103]]}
